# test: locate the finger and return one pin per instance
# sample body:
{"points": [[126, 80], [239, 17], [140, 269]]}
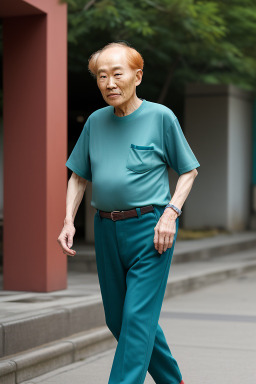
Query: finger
{"points": [[170, 242], [161, 243], [156, 239], [69, 241], [66, 249], [68, 253], [166, 243]]}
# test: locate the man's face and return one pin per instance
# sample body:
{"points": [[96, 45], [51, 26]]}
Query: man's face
{"points": [[115, 79]]}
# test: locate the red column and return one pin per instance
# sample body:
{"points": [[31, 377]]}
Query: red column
{"points": [[35, 147]]}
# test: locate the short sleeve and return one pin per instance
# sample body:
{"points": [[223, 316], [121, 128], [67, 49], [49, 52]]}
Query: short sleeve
{"points": [[178, 153], [79, 159]]}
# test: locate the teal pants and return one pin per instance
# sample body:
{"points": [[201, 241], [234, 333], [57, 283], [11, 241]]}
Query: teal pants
{"points": [[133, 277]]}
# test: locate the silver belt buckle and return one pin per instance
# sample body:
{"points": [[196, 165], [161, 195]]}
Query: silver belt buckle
{"points": [[111, 213]]}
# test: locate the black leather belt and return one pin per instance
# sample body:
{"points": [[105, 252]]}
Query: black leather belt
{"points": [[121, 215]]}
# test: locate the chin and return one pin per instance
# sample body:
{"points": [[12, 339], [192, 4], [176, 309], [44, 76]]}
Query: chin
{"points": [[114, 102]]}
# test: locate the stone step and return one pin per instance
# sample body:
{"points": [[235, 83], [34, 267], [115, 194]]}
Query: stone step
{"points": [[18, 368], [34, 329], [79, 321], [185, 250]]}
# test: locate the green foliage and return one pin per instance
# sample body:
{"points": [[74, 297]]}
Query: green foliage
{"points": [[180, 40]]}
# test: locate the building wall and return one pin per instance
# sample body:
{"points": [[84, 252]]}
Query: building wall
{"points": [[205, 117], [218, 126], [239, 160]]}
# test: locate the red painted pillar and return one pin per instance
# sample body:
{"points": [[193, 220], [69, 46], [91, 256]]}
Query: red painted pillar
{"points": [[35, 147]]}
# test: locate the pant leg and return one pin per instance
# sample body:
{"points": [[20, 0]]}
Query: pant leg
{"points": [[163, 367], [111, 237], [111, 272]]}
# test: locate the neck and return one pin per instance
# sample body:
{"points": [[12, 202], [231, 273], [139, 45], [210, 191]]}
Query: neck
{"points": [[126, 109]]}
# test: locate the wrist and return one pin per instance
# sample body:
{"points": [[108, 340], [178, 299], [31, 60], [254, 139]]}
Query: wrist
{"points": [[68, 220], [174, 208], [172, 215]]}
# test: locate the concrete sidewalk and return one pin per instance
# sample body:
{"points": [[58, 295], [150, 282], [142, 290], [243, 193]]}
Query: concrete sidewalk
{"points": [[211, 332]]}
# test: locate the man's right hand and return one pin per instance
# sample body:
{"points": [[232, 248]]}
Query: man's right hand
{"points": [[65, 238]]}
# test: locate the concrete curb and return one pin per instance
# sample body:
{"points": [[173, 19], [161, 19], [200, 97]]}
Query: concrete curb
{"points": [[213, 250], [47, 358], [183, 285], [21, 367]]}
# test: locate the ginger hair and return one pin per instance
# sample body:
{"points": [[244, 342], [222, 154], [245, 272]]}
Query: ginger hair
{"points": [[134, 58]]}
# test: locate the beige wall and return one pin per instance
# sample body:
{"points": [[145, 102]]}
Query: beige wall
{"points": [[218, 126]]}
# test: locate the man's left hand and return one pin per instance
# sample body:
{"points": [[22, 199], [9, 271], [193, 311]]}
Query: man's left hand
{"points": [[165, 230]]}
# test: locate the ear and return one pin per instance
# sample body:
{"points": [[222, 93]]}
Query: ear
{"points": [[138, 79]]}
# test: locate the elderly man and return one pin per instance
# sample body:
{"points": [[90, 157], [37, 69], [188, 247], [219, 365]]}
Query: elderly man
{"points": [[125, 149]]}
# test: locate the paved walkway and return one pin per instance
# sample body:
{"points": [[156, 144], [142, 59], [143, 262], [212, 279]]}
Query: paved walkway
{"points": [[211, 333]]}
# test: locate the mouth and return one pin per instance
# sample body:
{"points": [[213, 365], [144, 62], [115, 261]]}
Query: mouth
{"points": [[113, 95]]}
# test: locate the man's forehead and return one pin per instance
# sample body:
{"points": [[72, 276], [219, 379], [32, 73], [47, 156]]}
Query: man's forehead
{"points": [[112, 58]]}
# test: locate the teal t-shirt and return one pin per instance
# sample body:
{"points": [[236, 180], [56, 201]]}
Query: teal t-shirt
{"points": [[126, 158]]}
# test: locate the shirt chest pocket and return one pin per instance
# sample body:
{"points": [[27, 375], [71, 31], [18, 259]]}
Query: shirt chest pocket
{"points": [[140, 158]]}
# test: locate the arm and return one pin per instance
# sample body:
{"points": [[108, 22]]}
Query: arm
{"points": [[75, 192], [166, 226]]}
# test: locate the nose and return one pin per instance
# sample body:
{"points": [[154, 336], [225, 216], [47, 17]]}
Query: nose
{"points": [[111, 82]]}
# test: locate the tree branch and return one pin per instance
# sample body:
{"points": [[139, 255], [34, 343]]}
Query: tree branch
{"points": [[89, 5]]}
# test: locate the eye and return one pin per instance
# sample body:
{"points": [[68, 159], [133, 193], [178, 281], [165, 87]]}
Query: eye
{"points": [[102, 76], [118, 74]]}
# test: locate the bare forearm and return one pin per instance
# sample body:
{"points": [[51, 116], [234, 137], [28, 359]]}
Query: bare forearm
{"points": [[75, 192], [182, 190]]}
